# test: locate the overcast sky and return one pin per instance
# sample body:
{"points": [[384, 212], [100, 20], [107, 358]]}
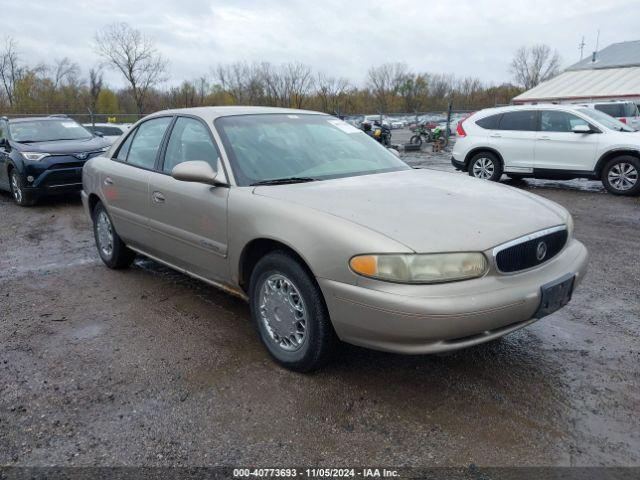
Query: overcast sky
{"points": [[340, 37]]}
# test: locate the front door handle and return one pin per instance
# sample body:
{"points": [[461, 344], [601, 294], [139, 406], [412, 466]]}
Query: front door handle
{"points": [[544, 138], [158, 197], [108, 181]]}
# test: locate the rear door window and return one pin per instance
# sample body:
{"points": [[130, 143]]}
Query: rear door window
{"points": [[523, 120], [146, 142]]}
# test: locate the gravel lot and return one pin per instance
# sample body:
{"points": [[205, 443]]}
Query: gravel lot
{"points": [[148, 366]]}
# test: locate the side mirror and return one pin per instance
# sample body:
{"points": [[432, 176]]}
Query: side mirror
{"points": [[394, 151], [194, 171], [98, 133], [4, 142], [582, 129]]}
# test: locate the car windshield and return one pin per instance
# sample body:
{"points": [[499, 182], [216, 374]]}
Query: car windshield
{"points": [[303, 146], [47, 130], [605, 120]]}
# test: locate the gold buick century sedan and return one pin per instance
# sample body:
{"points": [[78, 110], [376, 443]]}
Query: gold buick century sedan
{"points": [[329, 235]]}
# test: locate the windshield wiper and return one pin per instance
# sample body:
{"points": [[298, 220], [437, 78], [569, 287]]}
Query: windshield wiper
{"points": [[284, 181]]}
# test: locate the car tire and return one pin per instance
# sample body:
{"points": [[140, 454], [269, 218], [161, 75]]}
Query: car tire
{"points": [[486, 166], [289, 312], [621, 175], [20, 195], [112, 250], [416, 140]]}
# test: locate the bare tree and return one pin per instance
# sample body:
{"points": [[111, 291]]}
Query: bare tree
{"points": [[10, 68], [385, 81], [414, 90], [298, 81], [202, 86], [95, 87], [65, 70], [330, 91], [134, 56], [533, 65], [243, 82]]}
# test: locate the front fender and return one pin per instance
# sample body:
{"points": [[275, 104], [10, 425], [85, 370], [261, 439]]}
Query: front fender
{"points": [[325, 242]]}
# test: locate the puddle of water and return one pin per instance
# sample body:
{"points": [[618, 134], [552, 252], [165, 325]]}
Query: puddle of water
{"points": [[7, 271]]}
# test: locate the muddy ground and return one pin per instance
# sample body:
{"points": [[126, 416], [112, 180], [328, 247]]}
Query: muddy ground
{"points": [[147, 366]]}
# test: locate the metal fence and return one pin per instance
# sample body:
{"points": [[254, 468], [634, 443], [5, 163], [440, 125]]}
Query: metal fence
{"points": [[86, 118]]}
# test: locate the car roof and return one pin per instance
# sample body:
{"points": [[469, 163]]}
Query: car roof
{"points": [[211, 113], [540, 106], [608, 102]]}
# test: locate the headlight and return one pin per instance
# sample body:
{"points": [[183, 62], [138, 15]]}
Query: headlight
{"points": [[34, 156], [421, 268]]}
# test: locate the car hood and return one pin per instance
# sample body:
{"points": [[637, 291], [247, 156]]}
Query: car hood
{"points": [[427, 210], [65, 146]]}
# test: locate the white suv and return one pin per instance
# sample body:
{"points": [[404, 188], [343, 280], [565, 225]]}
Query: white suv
{"points": [[549, 141]]}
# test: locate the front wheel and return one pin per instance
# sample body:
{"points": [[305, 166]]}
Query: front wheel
{"points": [[21, 196], [485, 166], [416, 140], [112, 250], [621, 175], [289, 312]]}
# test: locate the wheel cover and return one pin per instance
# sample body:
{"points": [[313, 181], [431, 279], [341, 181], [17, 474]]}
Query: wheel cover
{"points": [[483, 168], [105, 234], [16, 189], [283, 312], [623, 176]]}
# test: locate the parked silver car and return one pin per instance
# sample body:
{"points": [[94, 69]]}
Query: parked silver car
{"points": [[328, 234]]}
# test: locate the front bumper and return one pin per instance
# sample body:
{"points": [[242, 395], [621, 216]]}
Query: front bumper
{"points": [[458, 165], [417, 319], [55, 174]]}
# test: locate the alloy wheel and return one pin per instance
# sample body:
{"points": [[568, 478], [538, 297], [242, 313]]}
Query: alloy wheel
{"points": [[16, 187], [623, 176], [483, 168], [105, 234], [283, 312]]}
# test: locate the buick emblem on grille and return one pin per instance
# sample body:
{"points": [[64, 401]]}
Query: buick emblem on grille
{"points": [[541, 251], [81, 155]]}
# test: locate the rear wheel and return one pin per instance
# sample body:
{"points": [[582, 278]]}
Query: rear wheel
{"points": [[486, 166], [112, 250], [289, 312], [621, 175], [21, 196]]}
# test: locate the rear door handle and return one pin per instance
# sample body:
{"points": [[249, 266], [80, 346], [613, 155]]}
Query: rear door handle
{"points": [[544, 138], [158, 197], [108, 181], [495, 135]]}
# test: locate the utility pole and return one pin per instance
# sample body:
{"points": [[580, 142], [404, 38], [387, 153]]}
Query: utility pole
{"points": [[581, 47]]}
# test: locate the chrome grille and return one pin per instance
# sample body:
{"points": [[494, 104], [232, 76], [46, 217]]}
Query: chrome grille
{"points": [[530, 250]]}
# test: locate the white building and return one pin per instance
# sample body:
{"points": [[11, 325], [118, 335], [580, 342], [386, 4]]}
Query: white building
{"points": [[610, 74]]}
